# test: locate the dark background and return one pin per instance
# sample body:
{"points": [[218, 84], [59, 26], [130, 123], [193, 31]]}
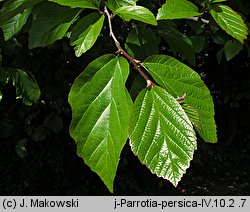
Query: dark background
{"points": [[51, 166]]}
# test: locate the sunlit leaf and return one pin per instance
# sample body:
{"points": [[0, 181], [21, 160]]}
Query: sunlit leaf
{"points": [[180, 80], [86, 32], [176, 9], [138, 13], [101, 115], [115, 4], [161, 134], [230, 21]]}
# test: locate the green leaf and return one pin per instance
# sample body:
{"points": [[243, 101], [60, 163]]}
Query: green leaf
{"points": [[101, 107], [180, 80], [21, 149], [53, 122], [176, 9], [216, 1], [137, 86], [232, 48], [51, 24], [115, 4], [38, 134], [161, 134], [142, 42], [86, 32], [138, 13], [199, 42], [193, 114], [91, 4], [1, 96], [219, 55], [26, 87], [15, 24], [12, 8], [230, 21], [220, 37], [178, 42]]}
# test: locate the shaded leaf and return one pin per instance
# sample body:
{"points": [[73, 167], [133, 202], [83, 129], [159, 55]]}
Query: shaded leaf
{"points": [[26, 87], [21, 148], [86, 32], [232, 48], [101, 114], [178, 42], [161, 134], [51, 24], [180, 80], [199, 42], [15, 24], [91, 4], [12, 8], [220, 37], [138, 13], [176, 9], [219, 55], [142, 42], [38, 134], [230, 21], [53, 122], [137, 86]]}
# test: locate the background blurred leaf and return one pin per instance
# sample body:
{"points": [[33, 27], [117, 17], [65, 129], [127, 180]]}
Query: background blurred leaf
{"points": [[91, 4], [15, 24], [26, 87], [51, 23]]}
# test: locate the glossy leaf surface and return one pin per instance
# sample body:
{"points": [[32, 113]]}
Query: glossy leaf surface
{"points": [[51, 24], [161, 134], [115, 4], [138, 13], [101, 107], [230, 21], [86, 32], [15, 24], [176, 9], [91, 4], [181, 81]]}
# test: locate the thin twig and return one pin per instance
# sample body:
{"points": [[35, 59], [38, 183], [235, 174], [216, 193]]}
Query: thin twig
{"points": [[110, 28], [150, 83], [198, 18]]}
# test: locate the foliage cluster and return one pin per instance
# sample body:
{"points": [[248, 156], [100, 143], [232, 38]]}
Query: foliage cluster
{"points": [[171, 101]]}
